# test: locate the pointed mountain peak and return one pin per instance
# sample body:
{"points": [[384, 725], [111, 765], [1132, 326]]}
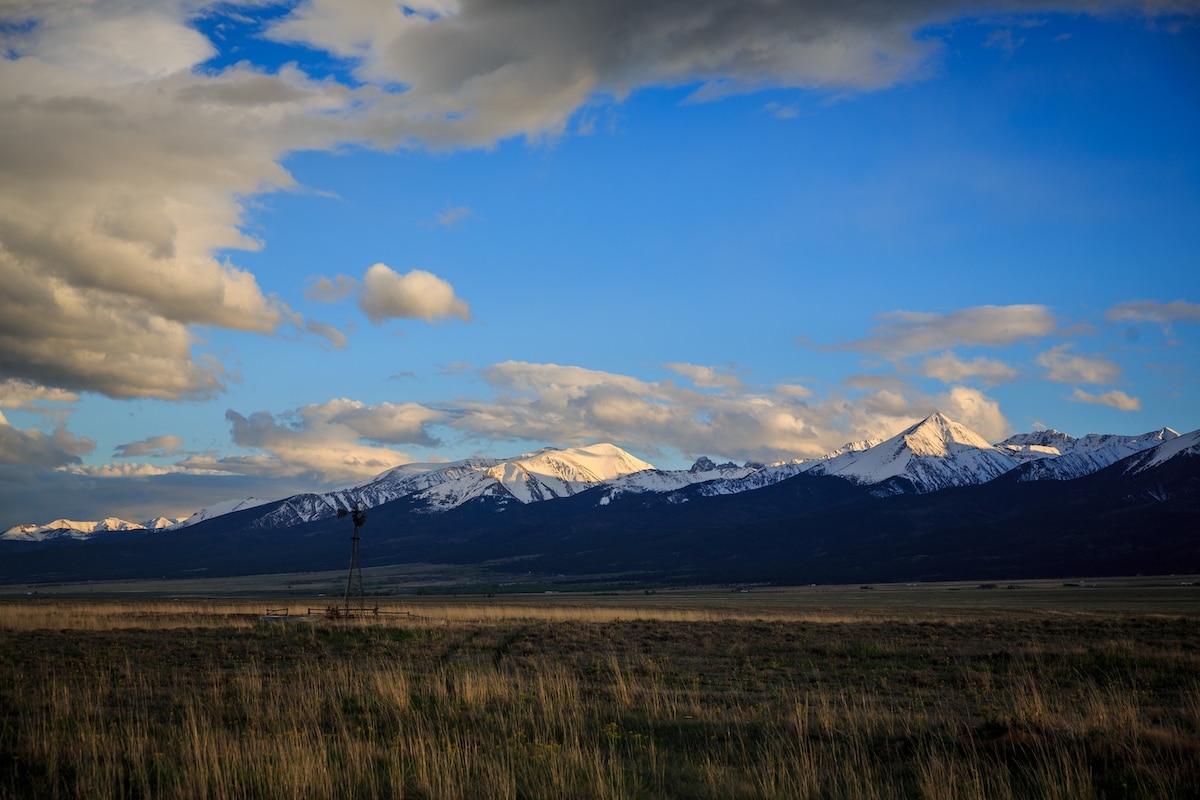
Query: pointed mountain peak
{"points": [[937, 434]]}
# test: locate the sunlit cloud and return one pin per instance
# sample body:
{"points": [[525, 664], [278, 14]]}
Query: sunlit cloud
{"points": [[1064, 367], [899, 334], [949, 368], [1114, 399], [418, 294], [567, 404], [308, 442], [124, 171]]}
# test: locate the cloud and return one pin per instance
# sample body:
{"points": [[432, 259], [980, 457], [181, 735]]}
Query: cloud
{"points": [[1152, 311], [34, 448], [23, 394], [387, 423], [1002, 39], [705, 377], [159, 446], [1116, 399], [126, 163], [452, 216], [1062, 367], [573, 405], [906, 333], [305, 444], [474, 72], [336, 339], [329, 290], [477, 72], [949, 368], [122, 173], [384, 295]]}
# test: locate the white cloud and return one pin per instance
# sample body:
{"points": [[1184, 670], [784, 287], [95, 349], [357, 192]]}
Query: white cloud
{"points": [[1063, 367], [1115, 398], [949, 368], [384, 295], [906, 333]]}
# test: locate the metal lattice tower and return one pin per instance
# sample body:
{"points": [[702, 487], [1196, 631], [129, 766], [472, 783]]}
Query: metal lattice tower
{"points": [[354, 580]]}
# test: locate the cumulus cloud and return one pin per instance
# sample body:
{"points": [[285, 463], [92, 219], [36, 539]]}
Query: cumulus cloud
{"points": [[121, 173], [418, 294], [159, 446], [335, 442], [125, 164], [899, 334], [571, 404], [35, 448], [305, 443], [949, 368], [1115, 399], [1063, 367]]}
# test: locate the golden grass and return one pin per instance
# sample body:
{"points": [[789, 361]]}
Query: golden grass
{"points": [[470, 700]]}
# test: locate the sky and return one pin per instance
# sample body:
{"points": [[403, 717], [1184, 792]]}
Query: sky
{"points": [[260, 248]]}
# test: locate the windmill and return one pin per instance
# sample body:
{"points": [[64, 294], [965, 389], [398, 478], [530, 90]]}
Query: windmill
{"points": [[354, 581]]}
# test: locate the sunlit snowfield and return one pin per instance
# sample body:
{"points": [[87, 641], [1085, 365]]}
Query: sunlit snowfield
{"points": [[1031, 689]]}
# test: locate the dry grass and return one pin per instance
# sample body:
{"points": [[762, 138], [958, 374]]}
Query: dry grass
{"points": [[523, 700]]}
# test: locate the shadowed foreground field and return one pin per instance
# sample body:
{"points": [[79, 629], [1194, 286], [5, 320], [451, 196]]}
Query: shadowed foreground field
{"points": [[705, 696]]}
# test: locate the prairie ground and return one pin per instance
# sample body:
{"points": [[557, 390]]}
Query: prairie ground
{"points": [[954, 691]]}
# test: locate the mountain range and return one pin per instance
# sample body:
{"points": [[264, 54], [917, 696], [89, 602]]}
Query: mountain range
{"points": [[902, 508]]}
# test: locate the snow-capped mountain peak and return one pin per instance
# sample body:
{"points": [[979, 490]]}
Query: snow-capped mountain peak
{"points": [[935, 453], [78, 529], [938, 435], [1047, 443]]}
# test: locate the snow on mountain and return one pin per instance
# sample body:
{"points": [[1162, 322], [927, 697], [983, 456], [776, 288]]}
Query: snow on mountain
{"points": [[220, 509], [1092, 453], [704, 471], [1039, 444], [936, 453], [531, 477], [1187, 444], [74, 529]]}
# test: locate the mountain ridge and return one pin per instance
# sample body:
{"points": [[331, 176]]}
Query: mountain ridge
{"points": [[934, 454]]}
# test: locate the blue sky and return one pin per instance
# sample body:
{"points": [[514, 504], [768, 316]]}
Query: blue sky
{"points": [[256, 249]]}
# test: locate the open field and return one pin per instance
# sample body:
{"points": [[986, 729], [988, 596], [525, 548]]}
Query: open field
{"points": [[956, 691]]}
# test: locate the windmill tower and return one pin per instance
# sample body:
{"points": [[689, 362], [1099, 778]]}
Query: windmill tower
{"points": [[355, 604]]}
